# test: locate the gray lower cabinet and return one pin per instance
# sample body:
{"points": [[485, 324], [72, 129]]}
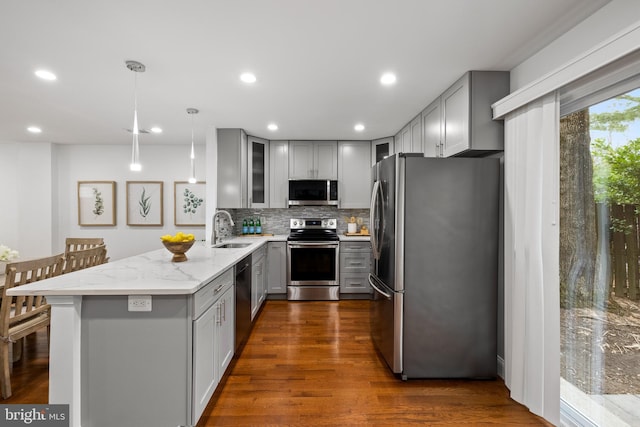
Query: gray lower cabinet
{"points": [[213, 339], [277, 268], [258, 280], [355, 266]]}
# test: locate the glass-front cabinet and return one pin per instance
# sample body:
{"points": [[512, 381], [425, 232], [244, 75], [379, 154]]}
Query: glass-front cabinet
{"points": [[258, 172], [381, 149]]}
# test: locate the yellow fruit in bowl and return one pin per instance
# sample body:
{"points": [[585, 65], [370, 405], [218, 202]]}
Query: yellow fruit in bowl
{"points": [[179, 237]]}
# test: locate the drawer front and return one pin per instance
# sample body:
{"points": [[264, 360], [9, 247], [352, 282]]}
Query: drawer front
{"points": [[355, 263], [209, 294], [354, 284], [355, 247], [258, 253]]}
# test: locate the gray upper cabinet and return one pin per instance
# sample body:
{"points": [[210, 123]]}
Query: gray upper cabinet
{"points": [[409, 139], [258, 172], [403, 140], [278, 174], [381, 148], [354, 174], [232, 168], [301, 160], [432, 129], [416, 134], [467, 122], [313, 160]]}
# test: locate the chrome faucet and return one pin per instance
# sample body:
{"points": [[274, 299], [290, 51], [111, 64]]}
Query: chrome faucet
{"points": [[214, 233]]}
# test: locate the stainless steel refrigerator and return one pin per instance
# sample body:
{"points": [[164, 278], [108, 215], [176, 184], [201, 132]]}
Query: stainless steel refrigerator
{"points": [[434, 233]]}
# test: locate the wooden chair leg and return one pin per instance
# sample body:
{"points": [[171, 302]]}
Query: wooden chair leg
{"points": [[17, 349], [5, 365]]}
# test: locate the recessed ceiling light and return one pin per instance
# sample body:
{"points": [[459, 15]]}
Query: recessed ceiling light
{"points": [[156, 130], [34, 129], [272, 126], [388, 79], [45, 75], [359, 127], [248, 77]]}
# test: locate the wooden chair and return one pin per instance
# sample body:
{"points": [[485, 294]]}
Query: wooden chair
{"points": [[84, 258], [23, 315], [79, 243]]}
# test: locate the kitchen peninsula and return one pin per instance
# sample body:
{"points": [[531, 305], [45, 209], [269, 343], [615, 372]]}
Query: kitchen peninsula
{"points": [[109, 354]]}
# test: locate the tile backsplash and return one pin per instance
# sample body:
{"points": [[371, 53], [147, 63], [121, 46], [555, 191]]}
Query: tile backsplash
{"points": [[276, 221]]}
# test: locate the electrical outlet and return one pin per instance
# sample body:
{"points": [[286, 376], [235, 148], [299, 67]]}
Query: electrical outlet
{"points": [[139, 302]]}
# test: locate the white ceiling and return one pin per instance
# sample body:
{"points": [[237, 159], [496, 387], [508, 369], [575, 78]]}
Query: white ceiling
{"points": [[318, 63]]}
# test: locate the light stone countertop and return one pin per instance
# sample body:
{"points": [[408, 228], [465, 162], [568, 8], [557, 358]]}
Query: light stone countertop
{"points": [[151, 273]]}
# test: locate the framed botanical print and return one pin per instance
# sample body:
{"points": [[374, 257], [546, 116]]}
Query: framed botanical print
{"points": [[96, 203], [188, 203], [144, 203]]}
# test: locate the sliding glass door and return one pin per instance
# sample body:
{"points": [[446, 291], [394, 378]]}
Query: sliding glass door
{"points": [[600, 260]]}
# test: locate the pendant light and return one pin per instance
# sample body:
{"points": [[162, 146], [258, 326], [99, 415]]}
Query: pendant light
{"points": [[135, 165], [192, 178]]}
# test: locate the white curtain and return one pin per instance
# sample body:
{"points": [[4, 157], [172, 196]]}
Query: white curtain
{"points": [[532, 299]]}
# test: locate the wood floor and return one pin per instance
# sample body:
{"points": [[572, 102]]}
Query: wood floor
{"points": [[313, 364]]}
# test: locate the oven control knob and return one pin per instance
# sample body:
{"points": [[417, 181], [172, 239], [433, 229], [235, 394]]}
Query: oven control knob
{"points": [[331, 223], [295, 223]]}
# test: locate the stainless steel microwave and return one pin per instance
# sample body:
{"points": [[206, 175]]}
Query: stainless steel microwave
{"points": [[313, 192]]}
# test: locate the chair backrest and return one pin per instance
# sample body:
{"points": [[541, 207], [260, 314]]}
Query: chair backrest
{"points": [[21, 273], [78, 260], [79, 243]]}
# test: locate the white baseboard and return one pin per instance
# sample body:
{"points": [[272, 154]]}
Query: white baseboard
{"points": [[501, 367]]}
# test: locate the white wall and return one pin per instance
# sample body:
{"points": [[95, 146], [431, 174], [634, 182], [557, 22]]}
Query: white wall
{"points": [[25, 198], [38, 194], [606, 22], [167, 163]]}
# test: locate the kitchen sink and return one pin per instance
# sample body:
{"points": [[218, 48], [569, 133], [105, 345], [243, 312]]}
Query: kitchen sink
{"points": [[231, 245]]}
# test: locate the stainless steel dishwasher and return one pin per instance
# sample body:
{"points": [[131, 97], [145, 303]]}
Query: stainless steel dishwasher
{"points": [[243, 300]]}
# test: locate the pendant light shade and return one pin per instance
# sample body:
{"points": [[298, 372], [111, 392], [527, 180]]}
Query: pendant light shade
{"points": [[135, 165], [192, 177]]}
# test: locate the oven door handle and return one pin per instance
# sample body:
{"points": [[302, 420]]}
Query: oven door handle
{"points": [[313, 244]]}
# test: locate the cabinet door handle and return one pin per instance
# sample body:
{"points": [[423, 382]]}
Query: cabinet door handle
{"points": [[224, 311], [218, 315]]}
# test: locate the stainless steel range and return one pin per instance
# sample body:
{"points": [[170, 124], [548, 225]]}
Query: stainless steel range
{"points": [[312, 262]]}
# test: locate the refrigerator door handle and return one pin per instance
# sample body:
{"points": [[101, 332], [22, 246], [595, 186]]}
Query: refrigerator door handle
{"points": [[374, 221], [381, 292], [379, 284]]}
